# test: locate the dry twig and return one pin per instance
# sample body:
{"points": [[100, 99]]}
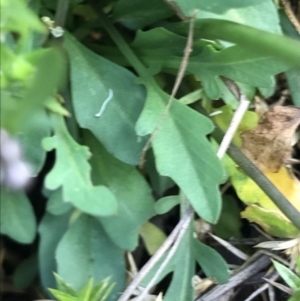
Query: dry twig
{"points": [[179, 77], [156, 257], [290, 14], [256, 266]]}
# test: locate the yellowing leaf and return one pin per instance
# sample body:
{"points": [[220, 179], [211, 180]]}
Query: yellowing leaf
{"points": [[271, 221], [153, 237], [250, 193], [250, 120], [268, 146]]}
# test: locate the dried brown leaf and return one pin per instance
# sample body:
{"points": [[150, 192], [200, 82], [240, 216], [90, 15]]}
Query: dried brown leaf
{"points": [[269, 144]]}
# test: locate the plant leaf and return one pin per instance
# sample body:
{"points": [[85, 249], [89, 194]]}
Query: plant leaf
{"points": [[137, 14], [132, 192], [291, 279], [64, 287], [211, 262], [102, 290], [206, 63], [86, 291], [293, 75], [229, 224], [92, 77], [257, 41], [26, 272], [158, 183], [49, 71], [183, 153], [71, 171], [17, 216], [217, 6], [261, 15], [180, 288], [85, 252], [31, 136], [295, 296], [272, 221], [56, 204], [51, 230], [61, 296], [165, 204], [153, 237]]}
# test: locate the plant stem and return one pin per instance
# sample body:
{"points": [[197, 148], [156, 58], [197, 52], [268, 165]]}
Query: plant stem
{"points": [[120, 42], [252, 39], [61, 13]]}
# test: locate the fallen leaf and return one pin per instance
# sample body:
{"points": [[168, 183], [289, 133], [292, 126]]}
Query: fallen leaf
{"points": [[269, 144]]}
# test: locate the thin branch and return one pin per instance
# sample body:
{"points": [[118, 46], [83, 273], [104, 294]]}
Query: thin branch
{"points": [[290, 14], [156, 257], [237, 279], [237, 117], [179, 77], [261, 289]]}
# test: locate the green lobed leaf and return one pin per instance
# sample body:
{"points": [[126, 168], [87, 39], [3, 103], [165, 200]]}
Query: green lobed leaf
{"points": [[291, 279], [136, 204], [183, 152], [181, 288], [136, 14], [211, 262], [92, 78], [30, 136], [26, 272], [85, 252], [182, 266], [51, 230], [17, 216], [217, 6], [165, 204], [205, 62], [257, 41], [56, 205], [72, 172], [167, 270], [158, 183], [152, 236], [261, 15], [293, 75]]}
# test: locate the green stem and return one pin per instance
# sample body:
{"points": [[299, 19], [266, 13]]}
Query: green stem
{"points": [[261, 180], [252, 39], [120, 42], [61, 13]]}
